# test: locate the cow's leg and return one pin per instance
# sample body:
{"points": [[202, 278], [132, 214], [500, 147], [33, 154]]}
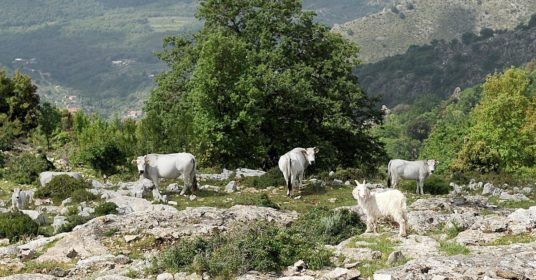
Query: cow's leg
{"points": [[187, 185], [300, 178]]}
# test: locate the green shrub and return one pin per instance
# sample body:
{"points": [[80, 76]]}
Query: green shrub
{"points": [[434, 184], [25, 168], [273, 177], [73, 221], [329, 226], [14, 225], [260, 247], [265, 201], [2, 159], [81, 195], [106, 208], [61, 187]]}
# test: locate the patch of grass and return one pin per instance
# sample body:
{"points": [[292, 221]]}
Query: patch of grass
{"points": [[131, 273], [40, 267], [110, 232], [381, 243], [272, 178], [45, 230], [486, 212], [512, 239], [310, 197], [106, 208], [435, 185], [453, 231], [452, 248]]}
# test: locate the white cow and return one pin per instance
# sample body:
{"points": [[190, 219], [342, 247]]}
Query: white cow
{"points": [[294, 163], [169, 166], [19, 199], [418, 170]]}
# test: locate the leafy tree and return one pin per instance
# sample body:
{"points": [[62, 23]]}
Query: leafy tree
{"points": [[496, 134], [49, 121], [260, 78], [18, 99]]}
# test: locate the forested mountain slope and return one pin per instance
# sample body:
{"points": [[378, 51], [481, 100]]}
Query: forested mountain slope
{"points": [[437, 69], [102, 51], [418, 22]]}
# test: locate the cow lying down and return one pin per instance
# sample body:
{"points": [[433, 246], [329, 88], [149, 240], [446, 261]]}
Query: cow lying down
{"points": [[391, 203]]}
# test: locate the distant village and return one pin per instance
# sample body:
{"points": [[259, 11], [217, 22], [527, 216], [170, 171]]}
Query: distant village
{"points": [[70, 102]]}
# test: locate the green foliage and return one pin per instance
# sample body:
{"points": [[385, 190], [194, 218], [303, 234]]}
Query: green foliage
{"points": [[435, 184], [452, 248], [260, 247], [18, 99], [272, 177], [73, 221], [9, 131], [254, 96], [81, 195], [105, 209], [329, 226], [25, 167], [61, 187], [49, 120], [501, 136], [447, 136], [105, 145], [17, 225]]}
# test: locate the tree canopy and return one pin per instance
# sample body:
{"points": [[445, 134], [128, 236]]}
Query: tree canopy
{"points": [[260, 78]]}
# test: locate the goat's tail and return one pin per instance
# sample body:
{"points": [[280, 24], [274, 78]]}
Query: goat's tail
{"points": [[389, 174]]}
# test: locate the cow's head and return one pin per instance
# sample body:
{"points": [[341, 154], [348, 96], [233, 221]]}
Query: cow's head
{"points": [[431, 165], [361, 192], [309, 154], [15, 193], [141, 162]]}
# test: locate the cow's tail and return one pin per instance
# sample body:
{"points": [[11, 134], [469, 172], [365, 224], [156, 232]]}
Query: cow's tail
{"points": [[289, 172], [193, 176], [389, 174]]}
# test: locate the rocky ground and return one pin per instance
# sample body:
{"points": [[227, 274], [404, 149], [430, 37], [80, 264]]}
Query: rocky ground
{"points": [[463, 235]]}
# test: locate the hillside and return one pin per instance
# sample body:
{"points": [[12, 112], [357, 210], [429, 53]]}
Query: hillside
{"points": [[418, 22], [437, 69], [99, 54]]}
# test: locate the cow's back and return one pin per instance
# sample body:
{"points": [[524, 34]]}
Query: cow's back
{"points": [[171, 165]]}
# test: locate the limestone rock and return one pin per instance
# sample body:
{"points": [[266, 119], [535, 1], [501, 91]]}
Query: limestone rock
{"points": [[39, 218], [59, 221], [230, 187], [395, 257], [164, 276], [245, 172]]}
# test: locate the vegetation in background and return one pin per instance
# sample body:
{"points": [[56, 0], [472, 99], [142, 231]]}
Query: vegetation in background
{"points": [[25, 167], [270, 80], [17, 225]]}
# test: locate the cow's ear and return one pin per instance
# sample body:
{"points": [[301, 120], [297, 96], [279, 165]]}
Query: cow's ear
{"points": [[316, 150]]}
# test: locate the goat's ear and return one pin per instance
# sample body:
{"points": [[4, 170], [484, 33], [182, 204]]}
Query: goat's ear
{"points": [[133, 161], [316, 150], [146, 159]]}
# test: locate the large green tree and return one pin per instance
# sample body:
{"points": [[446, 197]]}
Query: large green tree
{"points": [[260, 78], [19, 101]]}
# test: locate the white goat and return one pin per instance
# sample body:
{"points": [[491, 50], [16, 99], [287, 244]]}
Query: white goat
{"points": [[391, 203]]}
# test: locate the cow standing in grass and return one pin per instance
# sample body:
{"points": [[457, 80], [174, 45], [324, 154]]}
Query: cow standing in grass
{"points": [[294, 163], [418, 170], [169, 166]]}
